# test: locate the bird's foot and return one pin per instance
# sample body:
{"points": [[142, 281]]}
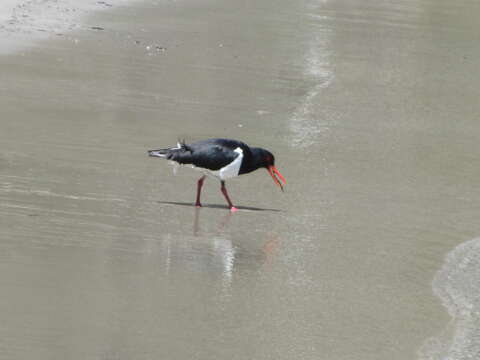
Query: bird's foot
{"points": [[233, 209], [198, 205]]}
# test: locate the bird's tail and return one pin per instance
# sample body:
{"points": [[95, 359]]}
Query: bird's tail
{"points": [[163, 153], [169, 152]]}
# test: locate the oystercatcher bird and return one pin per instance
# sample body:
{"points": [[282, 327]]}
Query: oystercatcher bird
{"points": [[222, 159]]}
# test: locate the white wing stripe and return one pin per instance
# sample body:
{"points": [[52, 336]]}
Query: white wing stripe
{"points": [[232, 169]]}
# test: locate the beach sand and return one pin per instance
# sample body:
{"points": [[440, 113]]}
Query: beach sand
{"points": [[370, 112], [24, 22]]}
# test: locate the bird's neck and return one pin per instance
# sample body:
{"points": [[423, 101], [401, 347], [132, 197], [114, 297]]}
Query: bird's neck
{"points": [[254, 162]]}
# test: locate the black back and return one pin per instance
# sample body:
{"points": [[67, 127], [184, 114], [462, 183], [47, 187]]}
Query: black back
{"points": [[212, 154]]}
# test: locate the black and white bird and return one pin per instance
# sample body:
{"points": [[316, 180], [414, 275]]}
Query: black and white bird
{"points": [[222, 159]]}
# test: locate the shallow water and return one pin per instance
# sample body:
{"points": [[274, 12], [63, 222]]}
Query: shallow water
{"points": [[370, 111]]}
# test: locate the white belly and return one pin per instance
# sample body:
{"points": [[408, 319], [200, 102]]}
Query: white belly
{"points": [[229, 171]]}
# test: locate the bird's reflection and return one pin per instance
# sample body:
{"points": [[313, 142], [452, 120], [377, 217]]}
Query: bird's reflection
{"points": [[219, 248], [223, 224], [270, 246], [272, 240]]}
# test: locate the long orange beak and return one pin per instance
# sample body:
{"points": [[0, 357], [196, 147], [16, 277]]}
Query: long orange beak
{"points": [[272, 170]]}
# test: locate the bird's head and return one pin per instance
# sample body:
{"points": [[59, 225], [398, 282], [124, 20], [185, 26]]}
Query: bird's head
{"points": [[267, 160]]}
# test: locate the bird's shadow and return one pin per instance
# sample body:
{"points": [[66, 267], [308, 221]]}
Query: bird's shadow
{"points": [[217, 206]]}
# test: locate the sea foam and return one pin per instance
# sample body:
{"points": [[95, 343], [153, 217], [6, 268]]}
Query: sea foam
{"points": [[457, 284]]}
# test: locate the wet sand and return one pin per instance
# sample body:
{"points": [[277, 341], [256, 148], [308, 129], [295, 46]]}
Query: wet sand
{"points": [[371, 112]]}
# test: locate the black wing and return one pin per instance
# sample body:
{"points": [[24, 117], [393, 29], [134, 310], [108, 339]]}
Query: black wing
{"points": [[214, 154]]}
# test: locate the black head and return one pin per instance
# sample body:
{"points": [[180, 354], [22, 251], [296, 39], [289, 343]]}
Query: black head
{"points": [[265, 158]]}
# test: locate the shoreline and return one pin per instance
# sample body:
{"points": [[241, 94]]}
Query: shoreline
{"points": [[452, 285]]}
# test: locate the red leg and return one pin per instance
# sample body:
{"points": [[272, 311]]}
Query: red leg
{"points": [[225, 193], [199, 189]]}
